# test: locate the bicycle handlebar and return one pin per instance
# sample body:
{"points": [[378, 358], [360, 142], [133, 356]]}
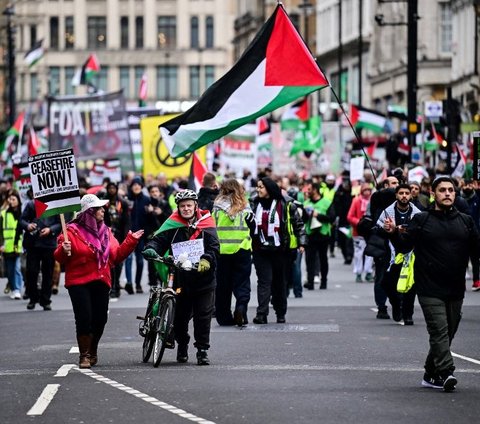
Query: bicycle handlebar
{"points": [[170, 262]]}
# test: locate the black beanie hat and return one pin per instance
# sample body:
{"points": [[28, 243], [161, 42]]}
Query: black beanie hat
{"points": [[137, 180]]}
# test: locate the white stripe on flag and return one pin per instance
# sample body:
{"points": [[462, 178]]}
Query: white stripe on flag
{"points": [[372, 118], [250, 97]]}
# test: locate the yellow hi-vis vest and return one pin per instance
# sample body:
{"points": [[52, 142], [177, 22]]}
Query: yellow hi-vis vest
{"points": [[293, 238], [233, 234], [9, 231]]}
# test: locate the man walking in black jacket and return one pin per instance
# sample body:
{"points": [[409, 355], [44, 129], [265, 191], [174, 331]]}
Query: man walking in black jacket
{"points": [[443, 240]]}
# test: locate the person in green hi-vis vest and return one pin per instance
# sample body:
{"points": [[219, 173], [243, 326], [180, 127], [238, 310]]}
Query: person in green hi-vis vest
{"points": [[319, 217]]}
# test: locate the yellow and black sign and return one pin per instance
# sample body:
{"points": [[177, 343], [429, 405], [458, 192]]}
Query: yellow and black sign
{"points": [[156, 157]]}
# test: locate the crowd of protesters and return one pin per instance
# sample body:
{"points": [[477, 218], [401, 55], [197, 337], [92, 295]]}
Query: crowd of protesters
{"points": [[272, 222]]}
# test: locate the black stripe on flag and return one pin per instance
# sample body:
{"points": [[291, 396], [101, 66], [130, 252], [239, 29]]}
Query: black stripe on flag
{"points": [[59, 196]]}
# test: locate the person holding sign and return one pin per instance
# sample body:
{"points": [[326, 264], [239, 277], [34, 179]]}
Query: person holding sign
{"points": [[88, 253], [190, 231]]}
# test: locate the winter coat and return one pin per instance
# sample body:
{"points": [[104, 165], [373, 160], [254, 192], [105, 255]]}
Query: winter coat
{"points": [[442, 243], [33, 239], [82, 266]]}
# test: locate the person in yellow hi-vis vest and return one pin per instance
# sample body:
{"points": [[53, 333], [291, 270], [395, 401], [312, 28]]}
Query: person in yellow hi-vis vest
{"points": [[11, 241], [235, 223]]}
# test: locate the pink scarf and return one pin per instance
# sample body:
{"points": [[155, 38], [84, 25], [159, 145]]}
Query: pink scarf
{"points": [[95, 233]]}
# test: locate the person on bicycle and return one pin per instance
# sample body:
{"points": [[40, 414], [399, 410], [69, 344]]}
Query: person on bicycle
{"points": [[196, 297]]}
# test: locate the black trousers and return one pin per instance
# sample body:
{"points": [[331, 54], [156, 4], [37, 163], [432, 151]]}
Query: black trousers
{"points": [[90, 307], [198, 305], [405, 301], [272, 283], [317, 248], [233, 277], [40, 258]]}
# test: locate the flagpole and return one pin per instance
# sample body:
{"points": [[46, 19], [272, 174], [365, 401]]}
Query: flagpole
{"points": [[356, 135]]}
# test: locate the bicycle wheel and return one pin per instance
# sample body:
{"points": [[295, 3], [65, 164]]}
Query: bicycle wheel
{"points": [[148, 340], [164, 327]]}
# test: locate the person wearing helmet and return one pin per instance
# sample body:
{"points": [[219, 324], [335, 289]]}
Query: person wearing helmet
{"points": [[197, 289]]}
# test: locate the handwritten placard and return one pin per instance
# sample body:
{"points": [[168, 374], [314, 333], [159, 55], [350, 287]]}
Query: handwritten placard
{"points": [[192, 248]]}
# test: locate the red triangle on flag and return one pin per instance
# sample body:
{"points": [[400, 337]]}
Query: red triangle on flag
{"points": [[354, 114], [284, 48], [40, 208], [302, 112]]}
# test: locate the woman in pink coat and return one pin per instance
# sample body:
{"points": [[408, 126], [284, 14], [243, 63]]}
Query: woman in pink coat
{"points": [[88, 255]]}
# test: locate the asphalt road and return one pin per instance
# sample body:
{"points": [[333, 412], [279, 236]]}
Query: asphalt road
{"points": [[333, 362]]}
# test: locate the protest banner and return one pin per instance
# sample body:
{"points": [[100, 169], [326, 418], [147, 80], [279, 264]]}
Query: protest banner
{"points": [[476, 155], [95, 126], [54, 182], [156, 158]]}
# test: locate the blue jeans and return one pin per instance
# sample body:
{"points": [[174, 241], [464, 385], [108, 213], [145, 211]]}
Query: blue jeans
{"points": [[14, 277], [128, 268]]}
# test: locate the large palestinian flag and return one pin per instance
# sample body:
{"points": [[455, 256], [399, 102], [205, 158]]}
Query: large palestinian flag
{"points": [[276, 69]]}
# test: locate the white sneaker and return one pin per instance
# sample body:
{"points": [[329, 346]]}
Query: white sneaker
{"points": [[316, 279], [17, 294]]}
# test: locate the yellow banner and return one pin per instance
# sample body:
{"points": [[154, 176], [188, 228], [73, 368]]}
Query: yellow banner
{"points": [[156, 158]]}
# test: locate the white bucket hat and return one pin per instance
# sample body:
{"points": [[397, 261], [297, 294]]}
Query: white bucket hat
{"points": [[91, 201]]}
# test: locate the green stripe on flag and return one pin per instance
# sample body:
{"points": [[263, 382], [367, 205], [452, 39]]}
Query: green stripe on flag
{"points": [[61, 209]]}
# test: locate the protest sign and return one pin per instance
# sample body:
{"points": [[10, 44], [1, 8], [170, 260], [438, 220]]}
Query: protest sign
{"points": [[54, 182], [193, 249]]}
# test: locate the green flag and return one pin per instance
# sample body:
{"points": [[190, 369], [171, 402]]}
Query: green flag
{"points": [[308, 138]]}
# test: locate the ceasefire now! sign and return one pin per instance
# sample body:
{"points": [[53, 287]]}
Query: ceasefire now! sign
{"points": [[54, 182]]}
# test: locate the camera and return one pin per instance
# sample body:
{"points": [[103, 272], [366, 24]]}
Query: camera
{"points": [[35, 232]]}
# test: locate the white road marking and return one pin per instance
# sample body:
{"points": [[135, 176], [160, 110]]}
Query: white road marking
{"points": [[147, 398], [466, 358], [64, 370], [44, 399], [74, 349]]}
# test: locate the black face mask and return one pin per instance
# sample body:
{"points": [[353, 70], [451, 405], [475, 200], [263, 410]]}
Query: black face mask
{"points": [[331, 185], [467, 191]]}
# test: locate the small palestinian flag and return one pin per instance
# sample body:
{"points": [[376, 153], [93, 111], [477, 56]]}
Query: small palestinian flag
{"points": [[296, 115], [33, 143], [89, 69], [367, 119], [34, 54], [12, 137], [197, 171], [261, 81]]}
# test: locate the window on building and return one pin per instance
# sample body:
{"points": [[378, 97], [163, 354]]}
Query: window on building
{"points": [[445, 27], [100, 81], [139, 71], [167, 31], [194, 32], [295, 18], [33, 35], [125, 80], [194, 82], [54, 41], [21, 84], [139, 32], [209, 39], [97, 32], [209, 75], [124, 32], [69, 74], [34, 86], [54, 80], [343, 90], [69, 33], [167, 82]]}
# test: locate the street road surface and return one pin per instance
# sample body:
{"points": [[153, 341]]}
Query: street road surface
{"points": [[332, 362]]}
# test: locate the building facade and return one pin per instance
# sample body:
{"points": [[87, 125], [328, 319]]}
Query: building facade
{"points": [[182, 46]]}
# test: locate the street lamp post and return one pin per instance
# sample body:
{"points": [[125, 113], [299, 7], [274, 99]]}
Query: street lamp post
{"points": [[9, 12], [412, 17]]}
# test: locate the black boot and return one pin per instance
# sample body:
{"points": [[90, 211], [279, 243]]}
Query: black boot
{"points": [[202, 357], [93, 349], [182, 353]]}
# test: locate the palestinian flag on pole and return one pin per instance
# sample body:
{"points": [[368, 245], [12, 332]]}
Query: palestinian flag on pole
{"points": [[197, 171], [33, 143], [12, 138], [296, 115], [89, 69], [260, 82], [367, 119], [461, 163], [34, 54]]}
